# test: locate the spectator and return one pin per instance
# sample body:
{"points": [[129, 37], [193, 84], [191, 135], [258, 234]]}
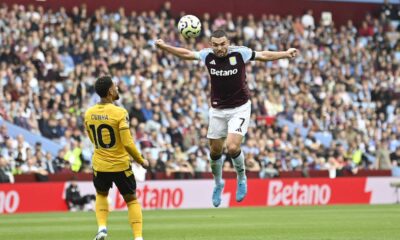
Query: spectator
{"points": [[50, 164], [252, 164], [74, 156], [383, 156], [308, 20], [6, 175], [160, 164], [269, 171], [136, 112], [389, 10], [395, 156], [228, 167], [32, 167], [366, 30]]}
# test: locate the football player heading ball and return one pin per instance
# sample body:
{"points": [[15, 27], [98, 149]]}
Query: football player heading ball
{"points": [[230, 101]]}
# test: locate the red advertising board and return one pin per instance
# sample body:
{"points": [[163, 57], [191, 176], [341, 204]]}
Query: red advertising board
{"points": [[291, 192], [32, 197], [177, 194]]}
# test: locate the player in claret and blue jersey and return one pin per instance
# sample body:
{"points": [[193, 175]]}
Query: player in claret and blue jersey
{"points": [[230, 101]]}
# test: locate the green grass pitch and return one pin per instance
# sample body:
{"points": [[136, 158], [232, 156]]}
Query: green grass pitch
{"points": [[378, 222]]}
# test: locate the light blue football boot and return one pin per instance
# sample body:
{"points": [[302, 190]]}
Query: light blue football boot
{"points": [[241, 190], [216, 197]]}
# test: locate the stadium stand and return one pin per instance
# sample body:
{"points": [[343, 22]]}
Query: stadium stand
{"points": [[333, 111]]}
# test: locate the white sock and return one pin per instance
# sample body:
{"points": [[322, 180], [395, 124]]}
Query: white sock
{"points": [[240, 168], [139, 238], [216, 169], [101, 228]]}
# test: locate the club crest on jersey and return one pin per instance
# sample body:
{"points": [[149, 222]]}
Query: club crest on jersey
{"points": [[232, 61]]}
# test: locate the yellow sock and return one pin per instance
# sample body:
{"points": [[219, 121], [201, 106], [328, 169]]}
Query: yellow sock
{"points": [[135, 217], [101, 210]]}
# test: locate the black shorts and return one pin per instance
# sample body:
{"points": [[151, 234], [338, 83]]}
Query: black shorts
{"points": [[125, 181]]}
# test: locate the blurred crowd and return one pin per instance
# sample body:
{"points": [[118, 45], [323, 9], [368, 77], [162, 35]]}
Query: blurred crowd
{"points": [[345, 83]]}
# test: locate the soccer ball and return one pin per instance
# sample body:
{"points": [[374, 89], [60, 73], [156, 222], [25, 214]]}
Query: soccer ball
{"points": [[189, 26]]}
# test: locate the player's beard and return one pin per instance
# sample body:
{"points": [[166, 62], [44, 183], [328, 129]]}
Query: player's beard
{"points": [[222, 53], [116, 97]]}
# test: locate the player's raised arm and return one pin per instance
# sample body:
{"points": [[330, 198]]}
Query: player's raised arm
{"points": [[177, 51], [271, 56]]}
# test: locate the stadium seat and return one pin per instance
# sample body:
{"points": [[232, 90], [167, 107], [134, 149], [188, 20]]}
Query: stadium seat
{"points": [[252, 174], [291, 174], [229, 175], [318, 173], [25, 178]]}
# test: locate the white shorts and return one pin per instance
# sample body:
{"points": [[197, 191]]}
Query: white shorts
{"points": [[230, 120]]}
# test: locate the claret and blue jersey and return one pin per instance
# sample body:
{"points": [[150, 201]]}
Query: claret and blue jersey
{"points": [[228, 76]]}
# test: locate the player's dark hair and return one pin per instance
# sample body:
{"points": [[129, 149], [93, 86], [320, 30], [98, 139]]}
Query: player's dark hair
{"points": [[102, 86], [219, 34]]}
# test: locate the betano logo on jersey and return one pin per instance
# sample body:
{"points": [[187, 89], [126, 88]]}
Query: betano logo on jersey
{"points": [[223, 72]]}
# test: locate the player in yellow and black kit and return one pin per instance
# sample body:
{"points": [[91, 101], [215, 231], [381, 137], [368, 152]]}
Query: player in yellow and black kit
{"points": [[108, 128]]}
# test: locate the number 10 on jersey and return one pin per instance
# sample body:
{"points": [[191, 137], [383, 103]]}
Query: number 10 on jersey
{"points": [[98, 135]]}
